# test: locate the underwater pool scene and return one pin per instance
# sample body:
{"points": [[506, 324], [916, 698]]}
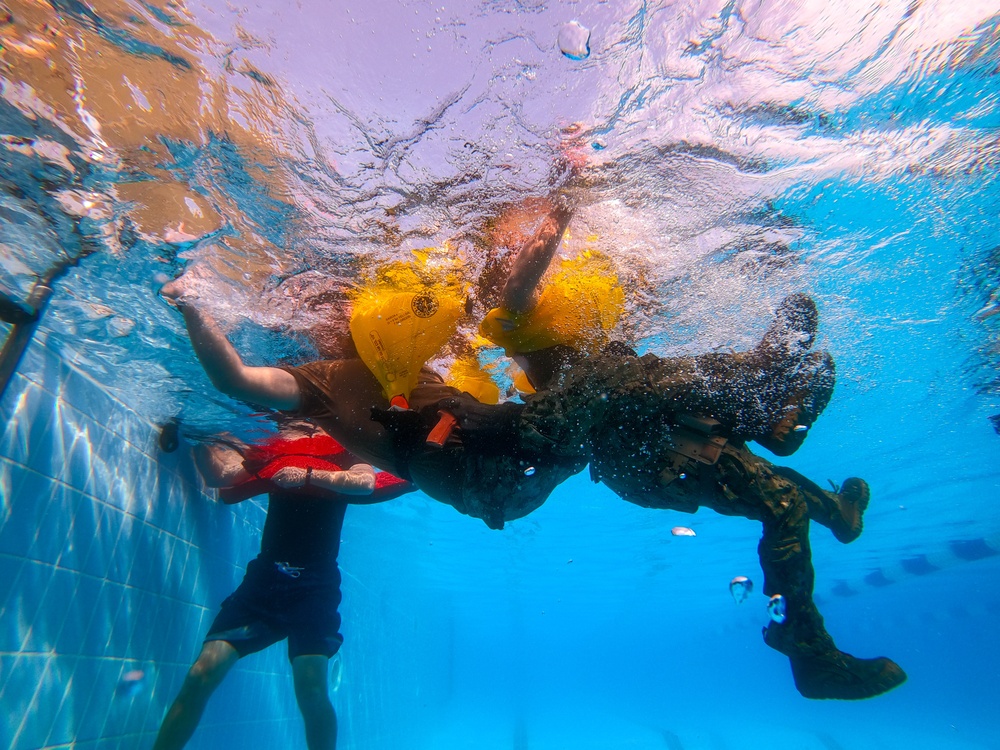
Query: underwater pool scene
{"points": [[298, 163]]}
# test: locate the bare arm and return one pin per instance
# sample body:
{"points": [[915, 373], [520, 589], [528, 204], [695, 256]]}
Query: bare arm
{"points": [[220, 466], [520, 293], [358, 480], [265, 386]]}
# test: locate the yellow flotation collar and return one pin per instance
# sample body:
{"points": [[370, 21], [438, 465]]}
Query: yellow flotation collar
{"points": [[467, 375], [579, 307], [406, 315]]}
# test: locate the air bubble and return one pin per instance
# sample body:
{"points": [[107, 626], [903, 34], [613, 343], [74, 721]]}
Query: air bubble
{"points": [[529, 471], [777, 609], [574, 41]]}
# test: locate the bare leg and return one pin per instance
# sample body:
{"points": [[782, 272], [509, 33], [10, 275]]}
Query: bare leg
{"points": [[213, 664], [265, 386], [314, 701]]}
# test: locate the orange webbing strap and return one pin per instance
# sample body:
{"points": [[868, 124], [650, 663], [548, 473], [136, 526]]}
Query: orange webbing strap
{"points": [[442, 430]]}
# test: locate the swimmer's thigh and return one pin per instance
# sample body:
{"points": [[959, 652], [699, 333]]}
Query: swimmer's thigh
{"points": [[243, 620], [311, 619]]}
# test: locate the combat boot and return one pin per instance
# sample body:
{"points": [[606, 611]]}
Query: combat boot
{"points": [[790, 385], [835, 675], [791, 333], [823, 672], [841, 511], [800, 396]]}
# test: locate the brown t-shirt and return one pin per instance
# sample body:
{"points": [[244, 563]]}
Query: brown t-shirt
{"points": [[339, 395]]}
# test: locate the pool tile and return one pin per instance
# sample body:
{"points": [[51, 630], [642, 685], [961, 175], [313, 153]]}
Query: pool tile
{"points": [[92, 723], [10, 569], [78, 451], [82, 534], [86, 396], [12, 622], [26, 602], [61, 719], [95, 639], [123, 557], [143, 617], [8, 470], [79, 614], [29, 418], [99, 557], [34, 696], [56, 592], [120, 632], [32, 363], [32, 493], [138, 549], [54, 531], [86, 682]]}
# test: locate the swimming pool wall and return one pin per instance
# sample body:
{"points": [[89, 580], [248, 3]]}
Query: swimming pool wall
{"points": [[113, 559]]}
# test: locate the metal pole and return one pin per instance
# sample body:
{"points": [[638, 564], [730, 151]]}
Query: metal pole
{"points": [[20, 336], [26, 318]]}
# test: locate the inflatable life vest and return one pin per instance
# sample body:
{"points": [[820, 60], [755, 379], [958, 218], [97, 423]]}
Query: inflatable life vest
{"points": [[321, 452], [578, 307], [467, 375], [406, 315]]}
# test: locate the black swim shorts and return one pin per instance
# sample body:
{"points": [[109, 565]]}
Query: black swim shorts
{"points": [[276, 601]]}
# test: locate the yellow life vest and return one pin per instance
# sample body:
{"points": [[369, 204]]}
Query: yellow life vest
{"points": [[579, 307], [406, 315], [467, 375]]}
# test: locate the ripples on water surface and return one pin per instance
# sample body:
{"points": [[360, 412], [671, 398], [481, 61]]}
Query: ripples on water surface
{"points": [[737, 151]]}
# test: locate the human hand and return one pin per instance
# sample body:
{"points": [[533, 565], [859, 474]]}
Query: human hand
{"points": [[572, 148], [185, 288], [173, 290]]}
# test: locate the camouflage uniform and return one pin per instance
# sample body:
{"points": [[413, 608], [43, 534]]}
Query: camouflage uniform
{"points": [[641, 423], [671, 434]]}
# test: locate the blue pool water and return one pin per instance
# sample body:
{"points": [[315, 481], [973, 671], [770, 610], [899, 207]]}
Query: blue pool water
{"points": [[736, 152]]}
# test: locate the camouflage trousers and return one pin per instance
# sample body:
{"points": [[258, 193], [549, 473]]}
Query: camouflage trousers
{"points": [[743, 484], [747, 395], [620, 415]]}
